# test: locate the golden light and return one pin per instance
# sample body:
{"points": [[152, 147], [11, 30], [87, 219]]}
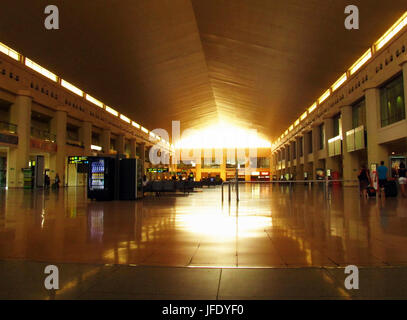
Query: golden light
{"points": [[135, 124], [124, 118], [222, 135], [71, 88], [10, 52], [361, 61], [291, 128], [304, 115], [94, 101], [340, 82], [144, 130], [36, 67], [395, 29], [112, 111], [324, 96], [312, 108]]}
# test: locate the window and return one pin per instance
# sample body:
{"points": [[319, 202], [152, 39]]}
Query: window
{"points": [[337, 125], [263, 162], [321, 136], [392, 107], [359, 114], [310, 143]]}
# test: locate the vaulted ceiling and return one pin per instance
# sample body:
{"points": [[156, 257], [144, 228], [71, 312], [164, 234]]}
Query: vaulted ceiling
{"points": [[256, 63]]}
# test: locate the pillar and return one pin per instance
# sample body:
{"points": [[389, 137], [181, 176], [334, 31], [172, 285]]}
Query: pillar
{"points": [[306, 150], [375, 151], [85, 133], [120, 144], [350, 161], [299, 172], [223, 165], [106, 140], [329, 134], [404, 67], [315, 150], [20, 114], [57, 161], [133, 148], [143, 157]]}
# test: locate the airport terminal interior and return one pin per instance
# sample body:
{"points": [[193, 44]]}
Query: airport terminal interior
{"points": [[203, 149]]}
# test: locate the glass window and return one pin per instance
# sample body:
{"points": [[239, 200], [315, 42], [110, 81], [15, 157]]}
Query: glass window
{"points": [[337, 125], [392, 107], [359, 114], [321, 136], [310, 143]]}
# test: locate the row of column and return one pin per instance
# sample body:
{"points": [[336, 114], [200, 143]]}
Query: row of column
{"points": [[313, 155], [18, 157]]}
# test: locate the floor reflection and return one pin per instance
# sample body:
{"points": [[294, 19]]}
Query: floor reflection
{"points": [[271, 226]]}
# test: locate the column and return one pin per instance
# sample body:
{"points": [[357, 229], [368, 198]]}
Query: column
{"points": [[299, 169], [143, 156], [375, 151], [85, 134], [57, 161], [404, 67], [350, 160], [133, 148], [306, 150], [223, 165], [330, 162], [120, 144], [293, 154], [20, 114], [315, 150], [106, 140]]}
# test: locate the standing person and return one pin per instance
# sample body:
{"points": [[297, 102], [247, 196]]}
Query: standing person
{"points": [[57, 181], [402, 178], [364, 181], [47, 181], [382, 171]]}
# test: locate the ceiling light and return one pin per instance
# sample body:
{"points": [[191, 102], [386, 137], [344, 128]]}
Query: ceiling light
{"points": [[10, 52], [124, 118], [36, 67], [395, 29], [324, 96], [94, 101], [135, 124], [362, 60], [144, 130], [340, 82], [112, 111], [71, 88]]}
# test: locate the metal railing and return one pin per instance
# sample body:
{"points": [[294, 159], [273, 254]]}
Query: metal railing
{"points": [[43, 135], [325, 183], [8, 127]]}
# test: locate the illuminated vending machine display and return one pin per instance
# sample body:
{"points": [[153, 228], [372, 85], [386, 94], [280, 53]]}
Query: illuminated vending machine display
{"points": [[101, 178], [97, 181]]}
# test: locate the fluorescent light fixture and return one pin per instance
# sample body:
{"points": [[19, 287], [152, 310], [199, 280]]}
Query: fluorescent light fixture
{"points": [[125, 119], [10, 52], [312, 108], [71, 88], [94, 101], [296, 123], [135, 124], [291, 128], [112, 111], [96, 148], [304, 115], [144, 130], [340, 82], [324, 96], [286, 132], [36, 67], [153, 135], [395, 29], [362, 60]]}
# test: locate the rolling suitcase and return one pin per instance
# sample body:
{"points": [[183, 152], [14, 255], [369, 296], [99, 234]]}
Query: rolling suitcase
{"points": [[390, 189], [371, 192]]}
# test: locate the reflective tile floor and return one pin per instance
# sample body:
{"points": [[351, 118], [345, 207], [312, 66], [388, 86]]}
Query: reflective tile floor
{"points": [[275, 242]]}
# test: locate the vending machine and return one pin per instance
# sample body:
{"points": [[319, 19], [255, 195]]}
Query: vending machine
{"points": [[131, 179], [101, 178]]}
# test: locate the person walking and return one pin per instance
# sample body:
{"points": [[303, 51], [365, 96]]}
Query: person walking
{"points": [[402, 178], [364, 181], [382, 171]]}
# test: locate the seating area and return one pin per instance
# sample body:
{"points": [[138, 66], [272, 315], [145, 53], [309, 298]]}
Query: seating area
{"points": [[184, 186]]}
